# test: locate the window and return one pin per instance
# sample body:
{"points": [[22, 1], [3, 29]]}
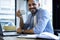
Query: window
{"points": [[7, 12]]}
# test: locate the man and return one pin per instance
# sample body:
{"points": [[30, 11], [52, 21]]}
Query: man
{"points": [[42, 20]]}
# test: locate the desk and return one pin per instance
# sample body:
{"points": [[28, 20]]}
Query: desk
{"points": [[43, 36], [15, 38]]}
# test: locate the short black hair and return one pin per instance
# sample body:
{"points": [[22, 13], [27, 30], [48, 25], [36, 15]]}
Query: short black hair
{"points": [[34, 0], [27, 0]]}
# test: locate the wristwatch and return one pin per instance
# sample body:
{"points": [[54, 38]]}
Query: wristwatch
{"points": [[22, 31], [20, 16]]}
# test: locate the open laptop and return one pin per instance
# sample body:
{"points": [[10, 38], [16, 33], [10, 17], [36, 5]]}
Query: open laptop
{"points": [[8, 33]]}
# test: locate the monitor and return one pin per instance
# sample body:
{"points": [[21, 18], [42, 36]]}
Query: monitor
{"points": [[56, 16]]}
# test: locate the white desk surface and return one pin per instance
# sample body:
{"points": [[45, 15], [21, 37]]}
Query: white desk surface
{"points": [[31, 37], [15, 38]]}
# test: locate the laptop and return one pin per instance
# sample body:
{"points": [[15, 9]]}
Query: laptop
{"points": [[8, 33]]}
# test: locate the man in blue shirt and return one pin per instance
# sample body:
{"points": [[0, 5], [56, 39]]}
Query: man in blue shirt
{"points": [[42, 19]]}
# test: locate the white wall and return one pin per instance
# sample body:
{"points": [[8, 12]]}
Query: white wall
{"points": [[47, 4]]}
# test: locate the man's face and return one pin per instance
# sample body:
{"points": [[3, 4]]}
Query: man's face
{"points": [[32, 5]]}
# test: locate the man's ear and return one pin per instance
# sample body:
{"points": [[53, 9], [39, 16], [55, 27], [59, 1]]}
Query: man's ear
{"points": [[38, 4]]}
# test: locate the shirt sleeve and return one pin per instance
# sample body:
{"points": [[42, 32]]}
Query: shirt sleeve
{"points": [[43, 18]]}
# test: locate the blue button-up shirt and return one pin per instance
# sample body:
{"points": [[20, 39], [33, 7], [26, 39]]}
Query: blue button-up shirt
{"points": [[44, 24]]}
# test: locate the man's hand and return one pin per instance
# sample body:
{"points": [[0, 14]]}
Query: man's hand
{"points": [[29, 31], [18, 13], [19, 30]]}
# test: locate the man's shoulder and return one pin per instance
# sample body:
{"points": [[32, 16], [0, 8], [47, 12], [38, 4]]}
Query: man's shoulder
{"points": [[41, 10]]}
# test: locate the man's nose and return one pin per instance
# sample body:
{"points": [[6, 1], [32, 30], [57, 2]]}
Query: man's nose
{"points": [[32, 6]]}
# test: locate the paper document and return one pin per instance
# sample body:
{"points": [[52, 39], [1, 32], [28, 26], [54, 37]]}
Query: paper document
{"points": [[42, 35], [28, 36], [48, 35]]}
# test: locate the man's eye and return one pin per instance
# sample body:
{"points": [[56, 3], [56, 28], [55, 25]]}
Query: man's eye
{"points": [[29, 4], [33, 4]]}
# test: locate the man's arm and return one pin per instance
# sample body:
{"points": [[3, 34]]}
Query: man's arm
{"points": [[21, 21], [43, 18]]}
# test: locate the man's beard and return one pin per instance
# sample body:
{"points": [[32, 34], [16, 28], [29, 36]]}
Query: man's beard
{"points": [[33, 10]]}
